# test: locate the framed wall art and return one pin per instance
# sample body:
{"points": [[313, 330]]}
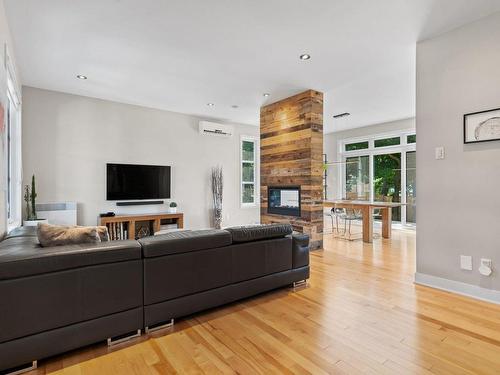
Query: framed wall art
{"points": [[482, 126]]}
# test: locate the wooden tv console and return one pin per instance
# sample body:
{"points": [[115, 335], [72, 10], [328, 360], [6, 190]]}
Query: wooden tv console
{"points": [[130, 223]]}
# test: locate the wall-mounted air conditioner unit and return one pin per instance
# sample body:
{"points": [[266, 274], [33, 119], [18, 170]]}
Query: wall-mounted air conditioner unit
{"points": [[212, 128]]}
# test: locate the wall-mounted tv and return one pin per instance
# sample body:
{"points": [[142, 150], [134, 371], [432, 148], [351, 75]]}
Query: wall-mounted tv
{"points": [[133, 181]]}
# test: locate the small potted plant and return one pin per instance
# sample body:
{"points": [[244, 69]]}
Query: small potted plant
{"points": [[172, 208], [30, 199]]}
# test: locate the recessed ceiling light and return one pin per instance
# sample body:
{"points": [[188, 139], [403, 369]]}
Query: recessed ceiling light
{"points": [[266, 95], [305, 56], [80, 76], [210, 104]]}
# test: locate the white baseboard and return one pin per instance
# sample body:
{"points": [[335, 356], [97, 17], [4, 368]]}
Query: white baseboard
{"points": [[473, 291]]}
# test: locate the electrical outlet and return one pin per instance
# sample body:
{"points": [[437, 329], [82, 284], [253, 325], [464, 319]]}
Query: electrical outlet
{"points": [[439, 151], [466, 262], [485, 267], [486, 262]]}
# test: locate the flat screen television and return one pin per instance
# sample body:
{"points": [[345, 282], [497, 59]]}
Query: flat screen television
{"points": [[133, 181]]}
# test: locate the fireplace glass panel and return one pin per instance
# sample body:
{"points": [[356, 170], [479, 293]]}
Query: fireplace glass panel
{"points": [[284, 200]]}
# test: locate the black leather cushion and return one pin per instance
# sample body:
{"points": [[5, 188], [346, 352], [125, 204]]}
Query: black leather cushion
{"points": [[45, 344], [30, 305], [183, 242], [259, 232], [177, 275], [164, 311], [300, 250], [23, 256], [256, 259]]}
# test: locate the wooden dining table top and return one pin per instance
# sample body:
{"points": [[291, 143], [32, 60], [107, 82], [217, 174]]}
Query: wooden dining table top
{"points": [[362, 203]]}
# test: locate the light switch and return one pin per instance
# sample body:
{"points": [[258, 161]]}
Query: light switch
{"points": [[466, 262], [440, 153]]}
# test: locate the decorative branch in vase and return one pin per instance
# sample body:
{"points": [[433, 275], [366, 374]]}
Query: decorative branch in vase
{"points": [[217, 190]]}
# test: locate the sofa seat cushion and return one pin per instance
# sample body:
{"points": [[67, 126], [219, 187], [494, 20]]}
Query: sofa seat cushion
{"points": [[259, 232], [23, 256], [183, 242]]}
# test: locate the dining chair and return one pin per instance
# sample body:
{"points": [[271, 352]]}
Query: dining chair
{"points": [[337, 213], [334, 213], [328, 213], [351, 214]]}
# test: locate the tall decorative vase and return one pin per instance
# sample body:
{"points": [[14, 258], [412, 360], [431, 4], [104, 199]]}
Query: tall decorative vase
{"points": [[217, 189], [218, 218]]}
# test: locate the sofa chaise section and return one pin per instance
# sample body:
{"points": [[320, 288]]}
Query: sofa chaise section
{"points": [[57, 299]]}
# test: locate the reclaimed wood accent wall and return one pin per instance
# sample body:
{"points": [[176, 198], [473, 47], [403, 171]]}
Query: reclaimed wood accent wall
{"points": [[291, 154]]}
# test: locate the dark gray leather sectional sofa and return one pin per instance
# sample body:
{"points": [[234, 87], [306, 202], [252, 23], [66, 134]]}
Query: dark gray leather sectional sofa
{"points": [[57, 299]]}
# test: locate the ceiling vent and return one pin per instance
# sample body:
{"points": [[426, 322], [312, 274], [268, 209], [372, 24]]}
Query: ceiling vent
{"points": [[340, 115], [218, 130]]}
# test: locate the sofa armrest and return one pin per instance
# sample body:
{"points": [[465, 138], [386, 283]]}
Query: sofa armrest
{"points": [[300, 250]]}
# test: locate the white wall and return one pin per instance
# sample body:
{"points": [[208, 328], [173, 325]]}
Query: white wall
{"points": [[68, 139], [330, 147], [5, 39], [458, 197]]}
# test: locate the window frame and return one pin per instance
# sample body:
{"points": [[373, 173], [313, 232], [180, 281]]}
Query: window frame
{"points": [[12, 149], [254, 140], [356, 143], [384, 139]]}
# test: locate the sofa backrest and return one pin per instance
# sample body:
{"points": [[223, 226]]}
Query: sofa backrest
{"points": [[178, 274], [183, 242], [259, 232]]}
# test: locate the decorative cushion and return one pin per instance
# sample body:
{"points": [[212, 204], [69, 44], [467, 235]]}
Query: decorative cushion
{"points": [[259, 232], [58, 235]]}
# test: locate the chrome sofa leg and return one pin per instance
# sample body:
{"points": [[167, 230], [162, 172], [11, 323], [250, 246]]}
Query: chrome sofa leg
{"points": [[300, 283], [170, 324], [33, 366], [118, 340]]}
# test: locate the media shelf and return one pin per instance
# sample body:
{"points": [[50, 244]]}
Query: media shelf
{"points": [[133, 227]]}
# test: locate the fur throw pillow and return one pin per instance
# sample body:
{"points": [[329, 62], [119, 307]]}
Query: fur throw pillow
{"points": [[59, 235]]}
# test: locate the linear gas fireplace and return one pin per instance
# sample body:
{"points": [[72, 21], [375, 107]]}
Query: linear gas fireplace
{"points": [[284, 200]]}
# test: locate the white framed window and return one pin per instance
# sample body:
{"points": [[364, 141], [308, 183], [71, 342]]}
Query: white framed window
{"points": [[248, 171], [12, 122]]}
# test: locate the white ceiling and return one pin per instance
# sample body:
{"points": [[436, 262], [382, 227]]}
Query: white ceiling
{"points": [[180, 55]]}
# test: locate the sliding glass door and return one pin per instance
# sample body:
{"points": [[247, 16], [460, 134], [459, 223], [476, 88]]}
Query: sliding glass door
{"points": [[411, 191], [387, 180], [382, 169]]}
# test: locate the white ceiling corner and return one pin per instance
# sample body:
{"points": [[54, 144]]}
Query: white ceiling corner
{"points": [[179, 55]]}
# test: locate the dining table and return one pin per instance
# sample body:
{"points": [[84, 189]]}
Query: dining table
{"points": [[366, 208]]}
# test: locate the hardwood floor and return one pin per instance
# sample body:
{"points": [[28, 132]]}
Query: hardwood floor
{"points": [[360, 313]]}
